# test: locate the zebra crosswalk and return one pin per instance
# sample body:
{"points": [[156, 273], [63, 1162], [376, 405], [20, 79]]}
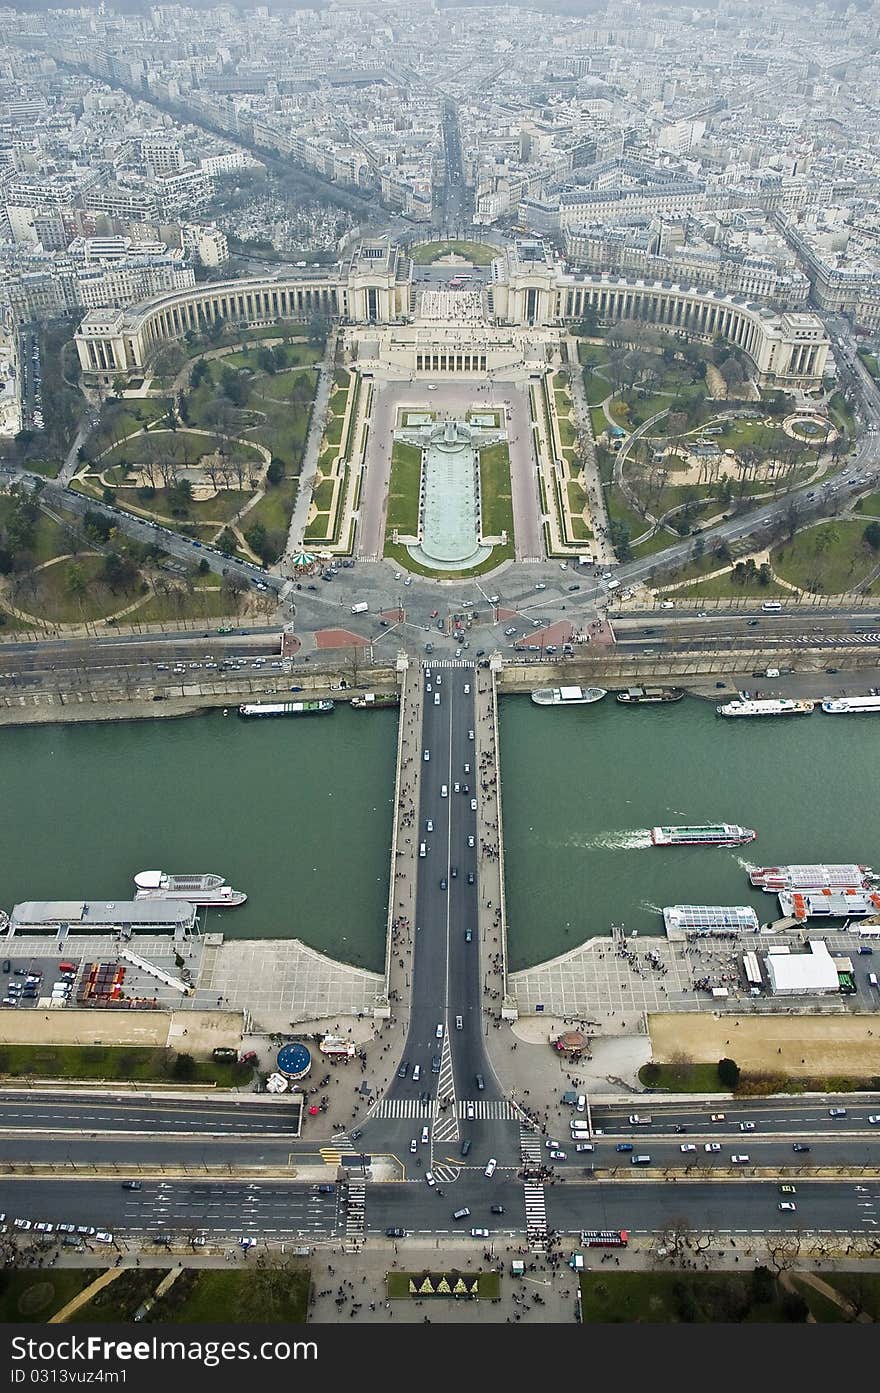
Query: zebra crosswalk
{"points": [[530, 1146], [492, 1110], [332, 1155], [445, 1174], [446, 662], [536, 1212], [355, 1211], [405, 1107]]}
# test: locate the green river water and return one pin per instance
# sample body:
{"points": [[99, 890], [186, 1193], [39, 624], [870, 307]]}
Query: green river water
{"points": [[295, 812], [582, 788], [298, 814]]}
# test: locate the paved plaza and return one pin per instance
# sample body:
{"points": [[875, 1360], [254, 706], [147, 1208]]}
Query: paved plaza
{"points": [[614, 983], [282, 982]]}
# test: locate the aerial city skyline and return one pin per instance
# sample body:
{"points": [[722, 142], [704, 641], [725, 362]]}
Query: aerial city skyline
{"points": [[499, 387]]}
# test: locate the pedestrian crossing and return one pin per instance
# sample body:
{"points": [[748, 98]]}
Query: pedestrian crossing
{"points": [[536, 1212], [405, 1107], [478, 1110], [446, 1175], [842, 640], [494, 1110], [446, 662], [332, 1155], [530, 1146], [355, 1215]]}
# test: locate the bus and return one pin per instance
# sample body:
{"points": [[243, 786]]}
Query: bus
{"points": [[604, 1238]]}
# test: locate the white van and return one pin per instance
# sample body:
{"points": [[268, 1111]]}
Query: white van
{"points": [[640, 1160], [771, 606], [423, 850], [361, 608], [872, 979], [444, 791]]}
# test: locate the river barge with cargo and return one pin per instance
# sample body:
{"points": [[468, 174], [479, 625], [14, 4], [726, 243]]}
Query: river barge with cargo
{"points": [[285, 708]]}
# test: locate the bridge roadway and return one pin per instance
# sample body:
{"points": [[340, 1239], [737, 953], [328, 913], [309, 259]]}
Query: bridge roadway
{"points": [[446, 980]]}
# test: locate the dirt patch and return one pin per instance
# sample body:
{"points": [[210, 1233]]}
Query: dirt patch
{"points": [[803, 1046], [196, 1032]]}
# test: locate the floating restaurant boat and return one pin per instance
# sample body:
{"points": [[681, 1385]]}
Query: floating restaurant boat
{"points": [[371, 700], [766, 706], [712, 834], [828, 904], [567, 696], [710, 918], [285, 708], [812, 877], [851, 706], [648, 696], [195, 889]]}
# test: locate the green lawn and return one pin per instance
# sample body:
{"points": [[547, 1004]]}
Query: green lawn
{"points": [[333, 430], [49, 538], [477, 253], [567, 433], [318, 530], [180, 604], [619, 510], [869, 505], [48, 593], [36, 1295], [577, 497], [219, 509], [281, 425], [862, 1288], [322, 495], [684, 1078], [674, 1297], [119, 1300], [841, 414], [403, 489], [495, 490], [338, 401], [579, 531], [275, 507], [183, 448], [830, 558], [871, 362], [658, 541], [597, 388], [262, 1294], [112, 1062], [400, 555], [598, 421], [724, 587]]}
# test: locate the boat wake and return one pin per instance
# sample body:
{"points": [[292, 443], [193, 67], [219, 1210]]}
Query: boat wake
{"points": [[627, 839], [744, 865]]}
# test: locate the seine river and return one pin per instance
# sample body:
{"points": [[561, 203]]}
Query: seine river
{"points": [[582, 788], [297, 813]]}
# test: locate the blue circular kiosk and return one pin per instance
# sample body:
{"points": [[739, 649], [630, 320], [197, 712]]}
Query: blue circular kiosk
{"points": [[294, 1061]]}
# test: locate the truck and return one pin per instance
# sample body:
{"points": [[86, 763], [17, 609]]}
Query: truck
{"points": [[639, 1120], [360, 608]]}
